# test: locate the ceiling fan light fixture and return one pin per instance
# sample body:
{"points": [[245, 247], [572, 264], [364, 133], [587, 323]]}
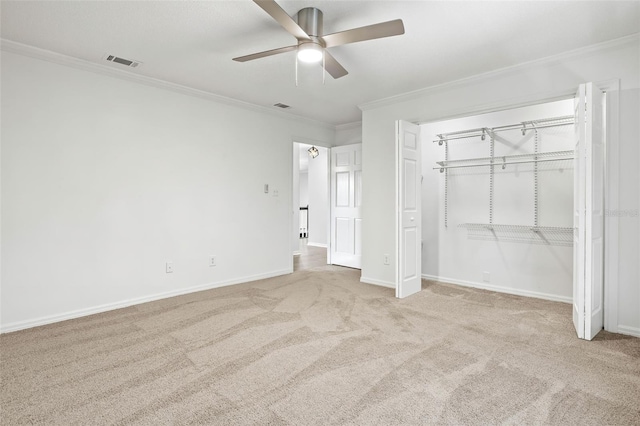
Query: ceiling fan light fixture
{"points": [[309, 53]]}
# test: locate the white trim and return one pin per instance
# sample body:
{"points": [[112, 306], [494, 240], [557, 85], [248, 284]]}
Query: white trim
{"points": [[108, 70], [21, 325], [377, 282], [309, 141], [316, 245], [396, 230], [297, 253], [328, 205], [349, 126], [500, 105], [630, 331], [499, 289], [611, 203], [584, 51]]}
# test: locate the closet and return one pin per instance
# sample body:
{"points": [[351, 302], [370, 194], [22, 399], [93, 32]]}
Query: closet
{"points": [[497, 199]]}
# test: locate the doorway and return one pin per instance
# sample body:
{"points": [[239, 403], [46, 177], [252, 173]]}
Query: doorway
{"points": [[497, 216], [310, 205], [504, 203]]}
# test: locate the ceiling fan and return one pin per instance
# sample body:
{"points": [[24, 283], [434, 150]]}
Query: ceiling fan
{"points": [[312, 44]]}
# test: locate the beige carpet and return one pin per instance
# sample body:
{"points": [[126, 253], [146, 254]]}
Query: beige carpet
{"points": [[318, 347]]}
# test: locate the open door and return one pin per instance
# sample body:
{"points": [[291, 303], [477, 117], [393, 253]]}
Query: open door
{"points": [[409, 219], [588, 247], [346, 202]]}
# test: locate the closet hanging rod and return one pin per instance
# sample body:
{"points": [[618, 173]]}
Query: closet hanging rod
{"points": [[501, 163], [460, 132], [523, 126], [509, 157], [557, 121]]}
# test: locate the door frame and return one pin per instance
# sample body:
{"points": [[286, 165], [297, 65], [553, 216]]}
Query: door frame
{"points": [[290, 211], [611, 88]]}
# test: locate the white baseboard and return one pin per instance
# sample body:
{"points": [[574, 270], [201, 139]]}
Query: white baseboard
{"points": [[21, 325], [631, 331], [499, 289], [377, 282], [309, 243]]}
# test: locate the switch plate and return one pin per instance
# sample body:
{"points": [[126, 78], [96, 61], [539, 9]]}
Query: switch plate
{"points": [[386, 259], [266, 188], [486, 277], [169, 267], [212, 260]]}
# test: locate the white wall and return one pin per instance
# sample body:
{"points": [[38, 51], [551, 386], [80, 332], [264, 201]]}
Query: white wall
{"points": [[520, 263], [304, 188], [319, 198], [535, 82], [295, 201], [348, 134], [105, 179]]}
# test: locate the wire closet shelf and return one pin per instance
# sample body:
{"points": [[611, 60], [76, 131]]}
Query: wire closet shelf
{"points": [[505, 160], [534, 233], [547, 235]]}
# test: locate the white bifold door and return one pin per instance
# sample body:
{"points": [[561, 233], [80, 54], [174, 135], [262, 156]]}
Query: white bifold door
{"points": [[346, 202], [588, 247], [409, 203]]}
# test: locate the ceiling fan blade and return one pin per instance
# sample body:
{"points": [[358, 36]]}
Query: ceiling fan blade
{"points": [[332, 66], [265, 54], [370, 32], [287, 22]]}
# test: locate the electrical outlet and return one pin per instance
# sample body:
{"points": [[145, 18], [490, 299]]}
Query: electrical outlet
{"points": [[275, 193], [386, 259], [486, 277], [212, 260], [169, 267]]}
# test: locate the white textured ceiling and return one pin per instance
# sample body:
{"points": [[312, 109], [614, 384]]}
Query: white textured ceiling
{"points": [[192, 42]]}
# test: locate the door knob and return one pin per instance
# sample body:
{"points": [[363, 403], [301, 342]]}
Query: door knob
{"points": [[412, 218]]}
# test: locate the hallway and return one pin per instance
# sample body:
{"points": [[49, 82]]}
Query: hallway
{"points": [[309, 257]]}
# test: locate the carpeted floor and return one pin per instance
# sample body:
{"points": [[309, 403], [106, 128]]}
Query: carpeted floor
{"points": [[318, 347]]}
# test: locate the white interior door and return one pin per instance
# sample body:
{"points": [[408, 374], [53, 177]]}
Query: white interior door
{"points": [[409, 202], [588, 249], [346, 202]]}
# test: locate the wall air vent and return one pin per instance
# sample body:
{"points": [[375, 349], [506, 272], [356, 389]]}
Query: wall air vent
{"points": [[126, 62], [283, 106]]}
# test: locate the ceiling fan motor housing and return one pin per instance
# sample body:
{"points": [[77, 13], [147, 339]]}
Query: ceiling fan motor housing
{"points": [[310, 20]]}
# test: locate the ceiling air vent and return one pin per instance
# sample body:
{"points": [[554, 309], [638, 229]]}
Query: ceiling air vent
{"points": [[122, 61], [281, 105]]}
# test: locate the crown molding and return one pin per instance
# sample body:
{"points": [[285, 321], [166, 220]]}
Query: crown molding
{"points": [[349, 126], [576, 53], [60, 59]]}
